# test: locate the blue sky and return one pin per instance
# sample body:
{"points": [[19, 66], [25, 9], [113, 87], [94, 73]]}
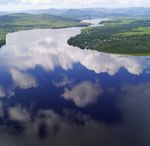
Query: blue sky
{"points": [[6, 5]]}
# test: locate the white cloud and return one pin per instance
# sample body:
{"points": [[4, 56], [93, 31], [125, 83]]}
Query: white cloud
{"points": [[37, 4], [2, 92], [6, 91], [18, 113], [83, 94], [63, 82], [23, 80]]}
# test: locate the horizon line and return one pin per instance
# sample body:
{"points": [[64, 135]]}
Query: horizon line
{"points": [[132, 7]]}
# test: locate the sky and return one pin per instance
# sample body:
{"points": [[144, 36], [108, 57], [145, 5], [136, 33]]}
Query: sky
{"points": [[9, 5]]}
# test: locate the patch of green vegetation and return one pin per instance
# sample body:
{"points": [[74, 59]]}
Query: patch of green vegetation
{"points": [[2, 38], [21, 21], [122, 36]]}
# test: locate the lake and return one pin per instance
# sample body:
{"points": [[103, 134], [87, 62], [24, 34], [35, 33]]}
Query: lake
{"points": [[59, 95]]}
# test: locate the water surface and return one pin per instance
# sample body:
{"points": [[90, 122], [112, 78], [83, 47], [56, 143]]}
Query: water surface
{"points": [[95, 22], [59, 95]]}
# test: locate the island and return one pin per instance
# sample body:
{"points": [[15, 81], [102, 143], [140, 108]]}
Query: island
{"points": [[119, 36], [23, 21]]}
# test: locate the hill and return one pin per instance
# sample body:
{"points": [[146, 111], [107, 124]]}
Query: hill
{"points": [[89, 13], [21, 21]]}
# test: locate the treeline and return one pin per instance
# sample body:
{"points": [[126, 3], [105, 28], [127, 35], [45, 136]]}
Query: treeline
{"points": [[2, 38]]}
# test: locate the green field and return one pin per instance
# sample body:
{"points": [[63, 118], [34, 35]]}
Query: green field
{"points": [[119, 36], [21, 21]]}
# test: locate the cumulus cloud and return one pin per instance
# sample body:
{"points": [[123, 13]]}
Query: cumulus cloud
{"points": [[18, 113], [27, 1], [38, 1], [6, 91], [83, 94], [2, 92], [23, 80], [35, 4], [63, 82]]}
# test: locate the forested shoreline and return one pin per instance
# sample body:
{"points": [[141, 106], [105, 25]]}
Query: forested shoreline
{"points": [[118, 36]]}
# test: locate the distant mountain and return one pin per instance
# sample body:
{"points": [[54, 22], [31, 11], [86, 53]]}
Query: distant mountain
{"points": [[88, 13], [3, 13], [27, 16]]}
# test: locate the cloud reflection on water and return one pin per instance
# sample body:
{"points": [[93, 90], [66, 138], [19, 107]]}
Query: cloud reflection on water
{"points": [[48, 48], [50, 128], [21, 125], [83, 94]]}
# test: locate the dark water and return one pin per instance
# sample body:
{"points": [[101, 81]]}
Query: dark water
{"points": [[58, 95]]}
